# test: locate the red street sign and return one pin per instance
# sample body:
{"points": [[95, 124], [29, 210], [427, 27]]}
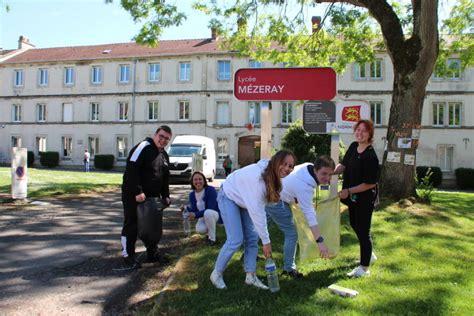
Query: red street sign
{"points": [[267, 84]]}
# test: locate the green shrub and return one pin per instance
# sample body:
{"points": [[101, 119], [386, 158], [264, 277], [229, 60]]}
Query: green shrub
{"points": [[307, 146], [105, 162], [49, 159], [435, 178], [465, 178], [30, 161], [424, 186]]}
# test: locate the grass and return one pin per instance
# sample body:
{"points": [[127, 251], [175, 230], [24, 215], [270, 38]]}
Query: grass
{"points": [[425, 267], [47, 182]]}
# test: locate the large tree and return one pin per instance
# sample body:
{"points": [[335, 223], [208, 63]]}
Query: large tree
{"points": [[350, 31]]}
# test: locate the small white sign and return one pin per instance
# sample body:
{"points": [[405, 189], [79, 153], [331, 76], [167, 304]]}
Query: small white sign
{"points": [[404, 143], [409, 160], [349, 112], [393, 156]]}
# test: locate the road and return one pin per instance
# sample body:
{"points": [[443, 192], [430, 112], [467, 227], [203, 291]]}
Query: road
{"points": [[58, 258]]}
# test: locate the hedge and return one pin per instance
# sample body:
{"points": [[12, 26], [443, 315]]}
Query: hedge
{"points": [[49, 159], [105, 162], [30, 159], [465, 178], [435, 179]]}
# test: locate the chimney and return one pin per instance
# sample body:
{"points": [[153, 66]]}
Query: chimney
{"points": [[214, 33], [316, 23], [24, 43]]}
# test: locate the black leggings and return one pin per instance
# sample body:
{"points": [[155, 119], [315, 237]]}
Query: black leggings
{"points": [[360, 217]]}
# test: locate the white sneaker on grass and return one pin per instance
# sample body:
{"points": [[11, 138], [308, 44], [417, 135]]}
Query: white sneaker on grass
{"points": [[373, 258], [358, 272], [218, 280], [251, 279]]}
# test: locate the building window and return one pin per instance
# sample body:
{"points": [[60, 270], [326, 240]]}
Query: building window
{"points": [[451, 70], [93, 145], [254, 113], [124, 73], [223, 115], [67, 112], [95, 112], [454, 69], [153, 110], [67, 146], [255, 64], [41, 112], [18, 78], [222, 147], [454, 114], [40, 144], [43, 78], [69, 76], [123, 111], [122, 147], [16, 141], [286, 113], [154, 72], [183, 110], [438, 114], [376, 113], [372, 70], [96, 74], [445, 157], [16, 113], [184, 71], [375, 68], [223, 70]]}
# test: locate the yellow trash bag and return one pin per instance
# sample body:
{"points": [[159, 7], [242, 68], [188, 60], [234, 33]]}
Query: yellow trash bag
{"points": [[329, 220]]}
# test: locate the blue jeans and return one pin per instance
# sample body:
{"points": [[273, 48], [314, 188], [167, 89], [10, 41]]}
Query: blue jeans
{"points": [[86, 166], [240, 230], [280, 213]]}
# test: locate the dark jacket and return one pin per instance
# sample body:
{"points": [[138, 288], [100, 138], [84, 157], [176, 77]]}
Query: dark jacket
{"points": [[210, 202], [147, 171]]}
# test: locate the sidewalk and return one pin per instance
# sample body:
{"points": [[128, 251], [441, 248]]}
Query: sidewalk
{"points": [[58, 259]]}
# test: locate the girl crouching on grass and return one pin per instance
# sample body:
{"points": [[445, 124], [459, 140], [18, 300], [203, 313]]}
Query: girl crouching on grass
{"points": [[242, 200]]}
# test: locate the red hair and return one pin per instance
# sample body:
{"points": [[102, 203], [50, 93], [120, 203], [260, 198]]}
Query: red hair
{"points": [[369, 126]]}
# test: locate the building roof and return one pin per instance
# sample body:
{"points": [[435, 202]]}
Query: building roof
{"points": [[114, 51]]}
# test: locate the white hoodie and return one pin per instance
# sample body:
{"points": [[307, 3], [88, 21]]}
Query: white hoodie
{"points": [[247, 189], [300, 185]]}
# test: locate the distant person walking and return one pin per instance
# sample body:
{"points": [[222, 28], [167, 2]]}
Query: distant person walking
{"points": [[227, 165], [146, 175], [359, 190], [87, 158]]}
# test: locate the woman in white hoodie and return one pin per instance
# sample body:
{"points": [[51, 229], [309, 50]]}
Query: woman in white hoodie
{"points": [[242, 200]]}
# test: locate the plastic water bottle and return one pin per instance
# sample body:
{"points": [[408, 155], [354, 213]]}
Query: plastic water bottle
{"points": [[186, 222], [272, 276]]}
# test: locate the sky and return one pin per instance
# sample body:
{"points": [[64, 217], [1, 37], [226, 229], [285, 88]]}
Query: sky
{"points": [[59, 23], [82, 22]]}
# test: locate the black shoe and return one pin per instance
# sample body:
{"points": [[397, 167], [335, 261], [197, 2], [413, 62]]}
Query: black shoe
{"points": [[211, 242], [157, 257], [129, 263], [293, 273]]}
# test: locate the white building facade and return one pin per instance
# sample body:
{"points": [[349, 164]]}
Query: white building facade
{"points": [[106, 98]]}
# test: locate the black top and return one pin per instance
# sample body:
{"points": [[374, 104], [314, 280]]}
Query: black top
{"points": [[147, 171], [360, 167]]}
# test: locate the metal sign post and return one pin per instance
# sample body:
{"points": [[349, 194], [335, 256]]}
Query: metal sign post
{"points": [[266, 130]]}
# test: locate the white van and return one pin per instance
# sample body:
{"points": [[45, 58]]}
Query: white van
{"points": [[181, 153]]}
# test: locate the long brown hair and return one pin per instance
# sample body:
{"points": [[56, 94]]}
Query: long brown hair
{"points": [[271, 175]]}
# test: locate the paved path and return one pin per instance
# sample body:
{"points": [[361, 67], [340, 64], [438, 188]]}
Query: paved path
{"points": [[57, 259]]}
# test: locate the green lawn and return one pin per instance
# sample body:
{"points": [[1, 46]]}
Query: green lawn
{"points": [[47, 182], [425, 267]]}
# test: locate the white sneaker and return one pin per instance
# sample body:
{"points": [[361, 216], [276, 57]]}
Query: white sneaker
{"points": [[373, 258], [358, 272], [252, 279], [218, 280]]}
